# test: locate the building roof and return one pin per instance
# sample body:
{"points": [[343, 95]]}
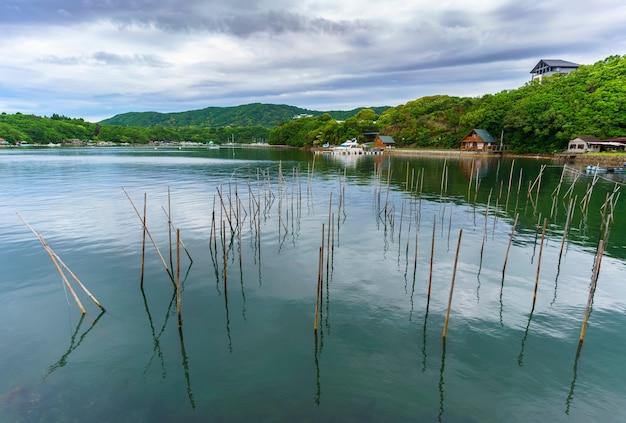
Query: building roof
{"points": [[484, 135], [587, 138], [554, 63], [386, 139]]}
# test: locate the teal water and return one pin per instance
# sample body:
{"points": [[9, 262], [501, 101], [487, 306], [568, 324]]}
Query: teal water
{"points": [[248, 352]]}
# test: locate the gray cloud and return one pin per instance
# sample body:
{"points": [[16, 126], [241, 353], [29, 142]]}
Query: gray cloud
{"points": [[312, 53]]}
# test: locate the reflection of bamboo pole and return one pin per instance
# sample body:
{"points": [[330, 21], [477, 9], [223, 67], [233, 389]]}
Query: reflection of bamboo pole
{"points": [[180, 320], [592, 290], [151, 239], [318, 292], [456, 259], [506, 257], [432, 254], [224, 250], [143, 241]]}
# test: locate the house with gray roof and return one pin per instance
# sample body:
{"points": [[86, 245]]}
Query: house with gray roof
{"points": [[547, 67]]}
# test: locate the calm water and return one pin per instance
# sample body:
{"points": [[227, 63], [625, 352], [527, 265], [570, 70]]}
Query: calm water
{"points": [[247, 351]]}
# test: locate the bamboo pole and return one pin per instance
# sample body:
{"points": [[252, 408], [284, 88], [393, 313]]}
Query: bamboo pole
{"points": [[151, 239], [181, 241], [508, 191], [592, 290], [508, 248], [56, 264], [456, 259], [169, 224], [543, 234]]}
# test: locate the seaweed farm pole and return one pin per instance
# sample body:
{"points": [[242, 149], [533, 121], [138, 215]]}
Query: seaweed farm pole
{"points": [[180, 320], [456, 259], [508, 248], [169, 224], [445, 328], [592, 290], [151, 239], [543, 234], [143, 241], [469, 186], [56, 264], [565, 229], [432, 254]]}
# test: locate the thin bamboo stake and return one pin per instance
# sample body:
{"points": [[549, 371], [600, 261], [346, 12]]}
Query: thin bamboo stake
{"points": [[508, 191], [151, 239], [169, 224], [592, 290], [506, 257], [456, 258], [181, 241], [56, 264], [543, 234]]}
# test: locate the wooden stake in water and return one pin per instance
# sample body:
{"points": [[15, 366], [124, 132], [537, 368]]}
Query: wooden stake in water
{"points": [[508, 191], [151, 239], [543, 234], [456, 259], [56, 260], [592, 290], [508, 248]]}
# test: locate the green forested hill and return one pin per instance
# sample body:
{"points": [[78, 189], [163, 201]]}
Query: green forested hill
{"points": [[257, 114]]}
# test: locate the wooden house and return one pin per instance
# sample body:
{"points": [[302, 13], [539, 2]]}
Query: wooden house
{"points": [[478, 140], [384, 141], [547, 67]]}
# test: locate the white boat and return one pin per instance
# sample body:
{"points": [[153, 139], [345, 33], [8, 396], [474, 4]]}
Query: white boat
{"points": [[349, 145], [212, 145]]}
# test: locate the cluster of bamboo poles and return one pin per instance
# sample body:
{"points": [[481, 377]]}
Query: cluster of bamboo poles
{"points": [[386, 213], [61, 267]]}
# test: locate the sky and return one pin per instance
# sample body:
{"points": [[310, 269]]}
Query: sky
{"points": [[94, 59]]}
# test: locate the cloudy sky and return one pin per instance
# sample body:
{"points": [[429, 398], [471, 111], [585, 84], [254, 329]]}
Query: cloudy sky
{"points": [[97, 58]]}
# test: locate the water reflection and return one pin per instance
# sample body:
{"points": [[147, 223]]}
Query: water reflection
{"points": [[74, 343]]}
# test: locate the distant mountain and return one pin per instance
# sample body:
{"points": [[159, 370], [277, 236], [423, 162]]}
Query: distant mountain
{"points": [[248, 115]]}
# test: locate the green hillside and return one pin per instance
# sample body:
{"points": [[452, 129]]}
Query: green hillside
{"points": [[256, 114]]}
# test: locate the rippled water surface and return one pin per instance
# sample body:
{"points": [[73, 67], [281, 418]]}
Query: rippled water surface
{"points": [[246, 349]]}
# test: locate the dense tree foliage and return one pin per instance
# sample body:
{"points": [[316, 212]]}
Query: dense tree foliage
{"points": [[256, 114], [541, 116]]}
